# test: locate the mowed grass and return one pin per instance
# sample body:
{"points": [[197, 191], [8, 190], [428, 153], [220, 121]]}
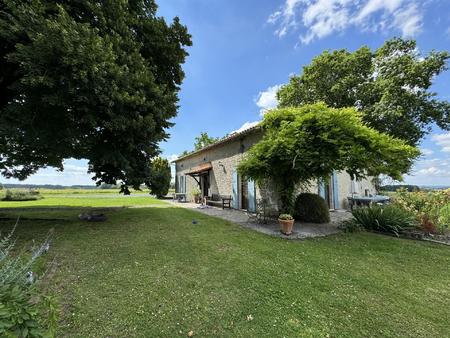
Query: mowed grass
{"points": [[151, 272], [96, 198]]}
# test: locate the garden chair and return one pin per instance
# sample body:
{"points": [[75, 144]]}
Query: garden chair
{"points": [[262, 214]]}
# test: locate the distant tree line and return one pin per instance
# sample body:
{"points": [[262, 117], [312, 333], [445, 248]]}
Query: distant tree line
{"points": [[395, 187], [49, 186]]}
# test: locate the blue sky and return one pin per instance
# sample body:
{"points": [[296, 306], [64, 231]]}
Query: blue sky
{"points": [[243, 50]]}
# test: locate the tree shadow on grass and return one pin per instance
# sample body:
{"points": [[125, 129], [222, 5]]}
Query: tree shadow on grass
{"points": [[64, 213]]}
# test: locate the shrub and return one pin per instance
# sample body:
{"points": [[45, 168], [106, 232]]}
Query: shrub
{"points": [[18, 315], [24, 311], [160, 177], [21, 195], [311, 208], [388, 219]]}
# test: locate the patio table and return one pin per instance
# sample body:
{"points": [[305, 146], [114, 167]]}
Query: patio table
{"points": [[367, 200]]}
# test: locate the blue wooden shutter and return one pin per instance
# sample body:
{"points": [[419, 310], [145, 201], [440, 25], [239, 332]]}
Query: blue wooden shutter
{"points": [[251, 196], [235, 189], [335, 190], [321, 188], [184, 181]]}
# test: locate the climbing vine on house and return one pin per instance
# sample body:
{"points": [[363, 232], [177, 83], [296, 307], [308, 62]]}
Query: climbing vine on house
{"points": [[310, 142]]}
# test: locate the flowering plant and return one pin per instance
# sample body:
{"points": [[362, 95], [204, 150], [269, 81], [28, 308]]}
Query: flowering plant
{"points": [[432, 208]]}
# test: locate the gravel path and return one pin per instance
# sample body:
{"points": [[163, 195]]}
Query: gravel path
{"points": [[301, 230]]}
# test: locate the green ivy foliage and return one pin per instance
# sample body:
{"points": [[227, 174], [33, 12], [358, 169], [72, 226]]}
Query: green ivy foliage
{"points": [[310, 142]]}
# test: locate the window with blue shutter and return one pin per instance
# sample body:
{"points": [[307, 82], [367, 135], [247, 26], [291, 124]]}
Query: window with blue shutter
{"points": [[235, 189]]}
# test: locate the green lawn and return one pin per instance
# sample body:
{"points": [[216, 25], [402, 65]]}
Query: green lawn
{"points": [[151, 272], [85, 200]]}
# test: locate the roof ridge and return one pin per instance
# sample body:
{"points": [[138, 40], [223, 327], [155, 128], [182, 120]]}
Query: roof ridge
{"points": [[224, 139]]}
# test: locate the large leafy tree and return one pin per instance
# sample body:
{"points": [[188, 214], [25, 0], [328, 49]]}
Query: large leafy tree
{"points": [[390, 86], [307, 143], [87, 79], [160, 177]]}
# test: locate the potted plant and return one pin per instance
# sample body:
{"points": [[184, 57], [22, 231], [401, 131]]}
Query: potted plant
{"points": [[196, 194], [286, 223]]}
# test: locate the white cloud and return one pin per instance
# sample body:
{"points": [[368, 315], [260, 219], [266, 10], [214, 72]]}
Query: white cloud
{"points": [[321, 18], [267, 99], [245, 126], [431, 172], [172, 157], [409, 21], [373, 6], [426, 152], [75, 173], [442, 140], [434, 171], [75, 169]]}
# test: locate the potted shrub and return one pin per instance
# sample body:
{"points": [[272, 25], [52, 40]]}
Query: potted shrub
{"points": [[286, 223], [196, 194]]}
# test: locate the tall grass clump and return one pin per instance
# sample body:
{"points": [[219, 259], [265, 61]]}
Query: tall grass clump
{"points": [[388, 219]]}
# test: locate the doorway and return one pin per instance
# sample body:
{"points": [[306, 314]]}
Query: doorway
{"points": [[244, 193], [327, 190], [204, 184]]}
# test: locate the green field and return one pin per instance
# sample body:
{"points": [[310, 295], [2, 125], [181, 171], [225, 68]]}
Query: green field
{"points": [[150, 272], [85, 198]]}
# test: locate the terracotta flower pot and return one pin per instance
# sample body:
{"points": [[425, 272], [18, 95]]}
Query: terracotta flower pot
{"points": [[286, 226]]}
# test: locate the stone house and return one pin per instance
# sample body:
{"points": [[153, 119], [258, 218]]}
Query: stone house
{"points": [[212, 170]]}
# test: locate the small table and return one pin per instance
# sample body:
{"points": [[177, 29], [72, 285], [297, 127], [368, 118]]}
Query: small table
{"points": [[367, 200], [180, 197]]}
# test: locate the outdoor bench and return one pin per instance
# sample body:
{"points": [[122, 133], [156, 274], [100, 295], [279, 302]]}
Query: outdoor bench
{"points": [[219, 200]]}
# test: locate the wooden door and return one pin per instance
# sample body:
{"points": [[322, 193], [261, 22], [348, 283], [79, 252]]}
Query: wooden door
{"points": [[204, 184]]}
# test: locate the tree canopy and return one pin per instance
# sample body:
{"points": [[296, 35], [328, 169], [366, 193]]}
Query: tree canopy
{"points": [[87, 79], [307, 143], [201, 142], [204, 140], [390, 86]]}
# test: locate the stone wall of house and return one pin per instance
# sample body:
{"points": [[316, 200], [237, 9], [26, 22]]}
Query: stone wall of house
{"points": [[225, 157], [347, 187]]}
